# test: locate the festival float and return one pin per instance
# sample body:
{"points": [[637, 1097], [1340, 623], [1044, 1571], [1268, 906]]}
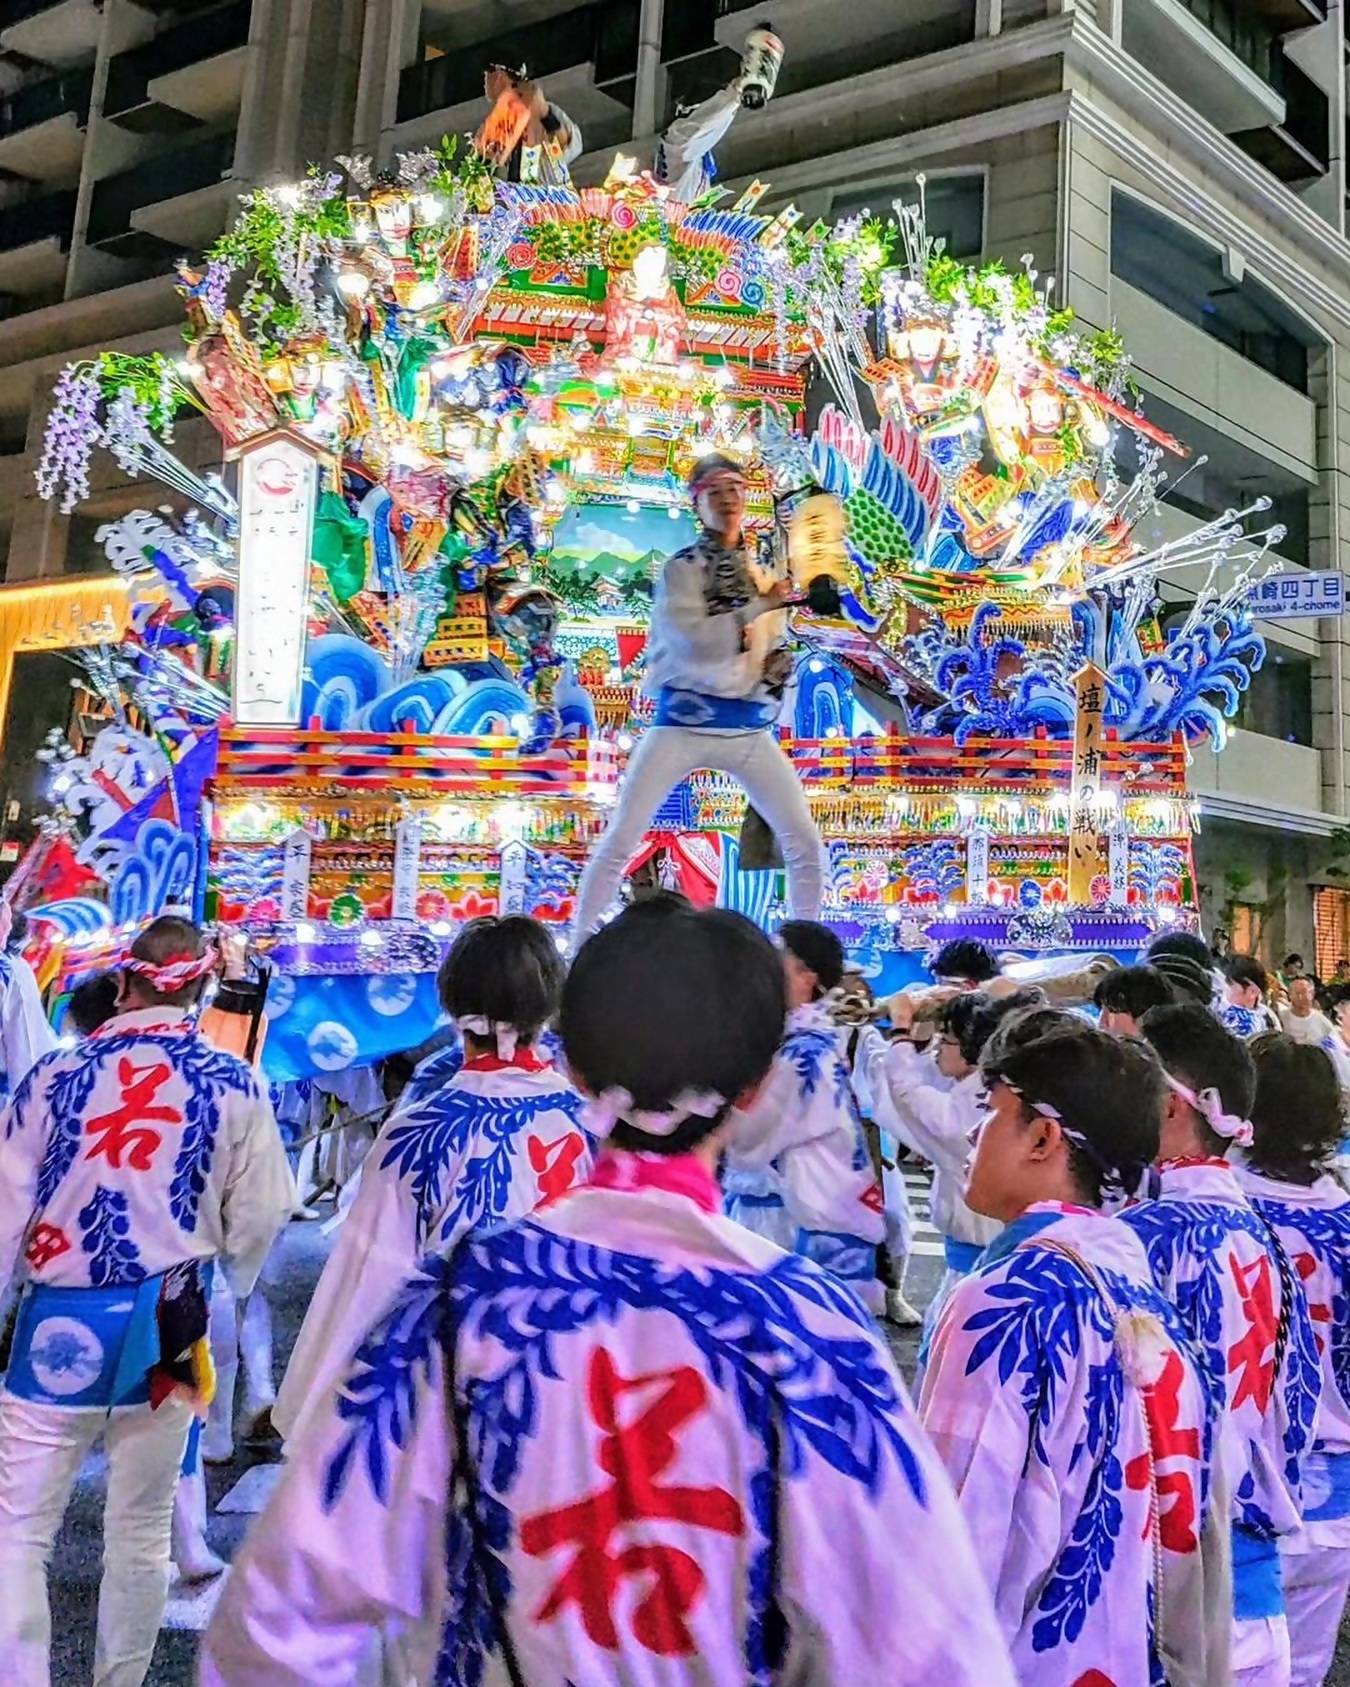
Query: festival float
{"points": [[381, 675]]}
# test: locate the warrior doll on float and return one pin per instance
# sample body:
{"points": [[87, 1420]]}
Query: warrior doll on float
{"points": [[717, 665]]}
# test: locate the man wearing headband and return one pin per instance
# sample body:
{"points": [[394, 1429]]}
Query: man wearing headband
{"points": [[130, 1165], [1221, 1265], [717, 666], [1061, 1392]]}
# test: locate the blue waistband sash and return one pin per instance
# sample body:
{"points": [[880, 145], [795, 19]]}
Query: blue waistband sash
{"points": [[85, 1347], [846, 1257], [961, 1257], [1257, 1590], [676, 707]]}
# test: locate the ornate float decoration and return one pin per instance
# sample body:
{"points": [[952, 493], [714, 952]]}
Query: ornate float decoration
{"points": [[410, 634]]}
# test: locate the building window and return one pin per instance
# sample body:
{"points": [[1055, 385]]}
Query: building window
{"points": [[954, 205], [1331, 928], [1278, 702], [84, 555], [1186, 275]]}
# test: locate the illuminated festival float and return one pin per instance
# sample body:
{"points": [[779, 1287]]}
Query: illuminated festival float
{"points": [[386, 679]]}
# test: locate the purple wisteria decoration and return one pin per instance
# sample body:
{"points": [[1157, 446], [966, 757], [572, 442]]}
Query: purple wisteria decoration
{"points": [[73, 430]]}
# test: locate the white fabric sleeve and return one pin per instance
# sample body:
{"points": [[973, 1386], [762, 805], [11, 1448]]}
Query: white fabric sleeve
{"points": [[23, 1140], [573, 146], [707, 646], [27, 1033], [692, 137], [931, 1121], [866, 1626], [258, 1194], [353, 1537], [375, 1253]]}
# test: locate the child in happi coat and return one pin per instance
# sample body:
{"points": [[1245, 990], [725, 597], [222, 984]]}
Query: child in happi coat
{"points": [[490, 1142], [1060, 1390], [1297, 1126], [1221, 1265], [797, 1168], [624, 1440]]}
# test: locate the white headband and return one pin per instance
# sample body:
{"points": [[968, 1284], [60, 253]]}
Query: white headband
{"points": [[1208, 1105], [600, 1115], [506, 1036]]}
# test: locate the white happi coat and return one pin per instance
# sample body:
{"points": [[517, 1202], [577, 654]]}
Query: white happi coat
{"points": [[626, 1441], [142, 1148], [1216, 1260], [25, 1033], [801, 1142], [1314, 1226], [1060, 1457], [488, 1143], [912, 1104]]}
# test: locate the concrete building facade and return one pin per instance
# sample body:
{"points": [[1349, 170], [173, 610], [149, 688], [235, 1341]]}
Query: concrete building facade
{"points": [[1180, 166]]}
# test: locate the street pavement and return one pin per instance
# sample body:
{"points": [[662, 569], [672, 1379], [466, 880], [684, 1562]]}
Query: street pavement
{"points": [[75, 1564]]}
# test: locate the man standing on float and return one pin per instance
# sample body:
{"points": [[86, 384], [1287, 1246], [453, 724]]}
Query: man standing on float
{"points": [[717, 665]]}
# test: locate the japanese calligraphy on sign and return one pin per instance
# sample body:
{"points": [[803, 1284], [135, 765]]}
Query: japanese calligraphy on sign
{"points": [[1118, 864], [277, 479], [407, 866], [295, 864], [977, 864], [1288, 597], [1085, 789]]}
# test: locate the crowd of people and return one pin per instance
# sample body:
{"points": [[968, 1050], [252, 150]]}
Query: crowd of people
{"points": [[594, 1386]]}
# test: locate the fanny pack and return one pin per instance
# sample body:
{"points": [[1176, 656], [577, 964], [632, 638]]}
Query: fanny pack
{"points": [[676, 707]]}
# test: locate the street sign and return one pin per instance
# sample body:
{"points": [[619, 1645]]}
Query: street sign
{"points": [[1288, 597]]}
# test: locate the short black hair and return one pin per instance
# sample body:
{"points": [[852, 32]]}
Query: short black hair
{"points": [[1187, 943], [817, 948], [1107, 1090], [508, 972], [1293, 961], [694, 1002], [1202, 1053], [1132, 990], [1189, 980], [1246, 969], [1298, 1116], [93, 1002], [972, 1017], [964, 957], [1337, 994]]}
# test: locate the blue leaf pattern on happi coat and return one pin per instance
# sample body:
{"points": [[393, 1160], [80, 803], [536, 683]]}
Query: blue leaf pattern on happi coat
{"points": [[481, 1133], [379, 1397], [812, 1053], [433, 1073], [1325, 1233], [208, 1073], [522, 1287], [63, 1096], [114, 1259]]}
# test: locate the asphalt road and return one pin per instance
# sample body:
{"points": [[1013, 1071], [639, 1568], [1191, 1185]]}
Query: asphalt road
{"points": [[75, 1566]]}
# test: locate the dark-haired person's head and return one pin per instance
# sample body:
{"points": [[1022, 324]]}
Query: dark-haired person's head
{"points": [[500, 982], [1124, 996], [1075, 1115], [1213, 1068], [813, 960], [1187, 943], [161, 963], [93, 1002], [965, 962], [693, 1006], [1298, 1116], [1189, 980], [1292, 965], [657, 899], [1248, 981], [1338, 1006], [966, 1023]]}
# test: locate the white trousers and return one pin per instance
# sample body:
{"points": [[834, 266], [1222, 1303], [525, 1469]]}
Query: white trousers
{"points": [[1260, 1655], [668, 754], [1315, 1587], [41, 1450]]}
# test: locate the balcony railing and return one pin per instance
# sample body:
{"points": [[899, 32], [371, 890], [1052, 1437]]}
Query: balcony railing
{"points": [[167, 176], [38, 102], [1299, 148], [193, 41], [52, 215], [1246, 35], [604, 34]]}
